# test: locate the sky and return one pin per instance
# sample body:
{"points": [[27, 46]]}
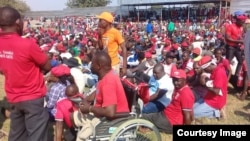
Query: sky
{"points": [[46, 5]]}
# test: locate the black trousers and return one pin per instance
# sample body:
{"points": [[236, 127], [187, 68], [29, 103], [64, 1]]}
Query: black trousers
{"points": [[232, 52], [160, 121], [29, 121]]}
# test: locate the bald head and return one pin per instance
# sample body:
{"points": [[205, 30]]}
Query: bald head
{"points": [[159, 67], [8, 16], [71, 90], [101, 63], [103, 59], [158, 71]]}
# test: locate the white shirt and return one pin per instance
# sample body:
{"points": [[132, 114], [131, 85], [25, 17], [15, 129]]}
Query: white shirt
{"points": [[166, 83], [79, 78], [198, 44], [168, 68], [66, 55]]}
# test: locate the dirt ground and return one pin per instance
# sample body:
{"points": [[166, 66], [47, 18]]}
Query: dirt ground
{"points": [[237, 112]]}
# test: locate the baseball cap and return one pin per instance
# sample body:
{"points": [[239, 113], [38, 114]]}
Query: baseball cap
{"points": [[205, 61], [60, 70], [148, 54], [179, 74], [184, 44], [240, 15], [196, 51], [106, 16]]}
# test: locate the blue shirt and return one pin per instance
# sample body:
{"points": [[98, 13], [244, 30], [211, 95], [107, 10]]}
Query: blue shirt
{"points": [[149, 28], [56, 92]]}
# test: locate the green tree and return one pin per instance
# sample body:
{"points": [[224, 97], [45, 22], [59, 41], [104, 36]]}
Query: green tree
{"points": [[86, 3], [20, 5]]}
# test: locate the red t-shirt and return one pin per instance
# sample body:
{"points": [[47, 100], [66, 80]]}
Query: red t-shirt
{"points": [[181, 99], [224, 63], [219, 78], [189, 66], [64, 108], [234, 32], [109, 91], [20, 61]]}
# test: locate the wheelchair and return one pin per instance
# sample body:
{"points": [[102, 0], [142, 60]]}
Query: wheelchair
{"points": [[127, 125]]}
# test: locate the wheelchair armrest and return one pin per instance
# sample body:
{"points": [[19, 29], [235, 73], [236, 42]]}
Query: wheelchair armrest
{"points": [[122, 114]]}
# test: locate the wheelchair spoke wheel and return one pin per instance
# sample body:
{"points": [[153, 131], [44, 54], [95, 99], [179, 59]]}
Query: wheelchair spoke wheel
{"points": [[136, 130]]}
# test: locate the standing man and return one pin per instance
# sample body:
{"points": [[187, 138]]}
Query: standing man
{"points": [[23, 63], [149, 28], [234, 40], [110, 39], [170, 28]]}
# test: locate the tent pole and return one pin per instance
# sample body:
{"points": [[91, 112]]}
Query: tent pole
{"points": [[219, 21], [120, 11], [226, 10], [188, 15]]}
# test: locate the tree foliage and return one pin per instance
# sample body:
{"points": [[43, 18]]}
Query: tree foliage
{"points": [[86, 3], [20, 5]]}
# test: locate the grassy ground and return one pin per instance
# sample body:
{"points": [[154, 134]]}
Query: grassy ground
{"points": [[236, 111]]}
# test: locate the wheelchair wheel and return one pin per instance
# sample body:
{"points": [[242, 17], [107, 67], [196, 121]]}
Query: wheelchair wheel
{"points": [[129, 131]]}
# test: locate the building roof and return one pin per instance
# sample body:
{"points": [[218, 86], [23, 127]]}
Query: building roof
{"points": [[164, 2]]}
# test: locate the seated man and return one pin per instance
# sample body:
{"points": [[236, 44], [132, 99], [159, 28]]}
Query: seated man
{"points": [[169, 65], [162, 96], [90, 79], [199, 90], [141, 65], [150, 63], [223, 62], [133, 60], [64, 108], [109, 98], [179, 111], [187, 65], [216, 96]]}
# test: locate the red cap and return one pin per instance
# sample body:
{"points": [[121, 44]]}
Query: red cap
{"points": [[175, 46], [148, 55], [241, 17], [204, 60], [184, 44], [196, 51], [60, 47], [60, 70], [179, 74]]}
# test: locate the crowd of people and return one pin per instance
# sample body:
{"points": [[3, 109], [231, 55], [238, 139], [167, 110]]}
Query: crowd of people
{"points": [[187, 65]]}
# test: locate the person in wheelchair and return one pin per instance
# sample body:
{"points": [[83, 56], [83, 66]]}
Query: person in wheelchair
{"points": [[109, 98], [179, 111]]}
